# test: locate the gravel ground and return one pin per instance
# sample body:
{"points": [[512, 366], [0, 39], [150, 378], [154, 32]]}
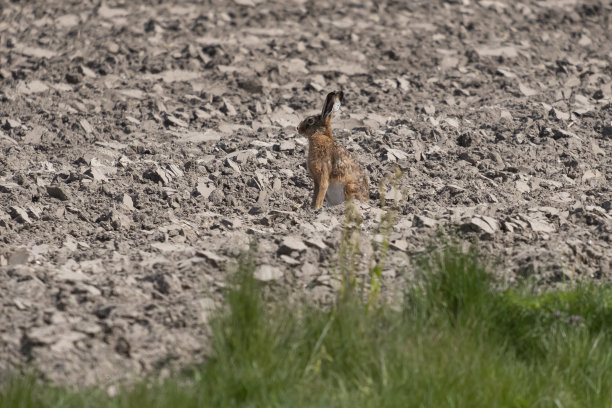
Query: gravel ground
{"points": [[145, 145]]}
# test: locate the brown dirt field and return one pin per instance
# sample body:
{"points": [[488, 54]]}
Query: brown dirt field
{"points": [[144, 145]]}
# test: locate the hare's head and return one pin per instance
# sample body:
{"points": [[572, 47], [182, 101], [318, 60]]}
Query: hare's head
{"points": [[321, 123]]}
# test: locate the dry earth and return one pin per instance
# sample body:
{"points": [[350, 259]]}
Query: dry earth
{"points": [[144, 146]]}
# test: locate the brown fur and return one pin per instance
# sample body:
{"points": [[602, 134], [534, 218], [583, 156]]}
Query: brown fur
{"points": [[328, 161]]}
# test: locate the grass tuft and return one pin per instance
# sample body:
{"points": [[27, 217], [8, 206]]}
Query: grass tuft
{"points": [[456, 342]]}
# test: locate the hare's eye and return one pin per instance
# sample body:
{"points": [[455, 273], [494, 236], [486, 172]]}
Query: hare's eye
{"points": [[310, 121]]}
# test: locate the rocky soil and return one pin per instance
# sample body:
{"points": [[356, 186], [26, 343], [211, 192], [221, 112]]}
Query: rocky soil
{"points": [[144, 145]]}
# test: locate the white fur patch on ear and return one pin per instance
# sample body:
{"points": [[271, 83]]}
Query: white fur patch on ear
{"points": [[336, 107]]}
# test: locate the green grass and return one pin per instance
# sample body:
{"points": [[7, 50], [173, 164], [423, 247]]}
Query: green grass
{"points": [[457, 341]]}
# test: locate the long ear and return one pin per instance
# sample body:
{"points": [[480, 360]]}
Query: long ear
{"points": [[332, 103]]}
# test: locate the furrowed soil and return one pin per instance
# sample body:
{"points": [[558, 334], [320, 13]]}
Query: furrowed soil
{"points": [[145, 145]]}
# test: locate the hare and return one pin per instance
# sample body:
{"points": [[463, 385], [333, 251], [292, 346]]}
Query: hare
{"points": [[328, 161]]}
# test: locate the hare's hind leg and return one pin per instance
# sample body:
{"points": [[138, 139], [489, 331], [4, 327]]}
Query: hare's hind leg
{"points": [[355, 191]]}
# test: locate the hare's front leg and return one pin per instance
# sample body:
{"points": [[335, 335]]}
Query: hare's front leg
{"points": [[315, 193], [320, 191]]}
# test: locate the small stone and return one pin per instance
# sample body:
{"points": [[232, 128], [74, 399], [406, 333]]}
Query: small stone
{"points": [[11, 124], [59, 192], [38, 251], [42, 335], [257, 210], [429, 109], [112, 47], [287, 145], [315, 242], [522, 187], [243, 156], [20, 215], [509, 226], [267, 273], [228, 108], [452, 122], [292, 244], [309, 270], [86, 126], [232, 223], [591, 174], [276, 185], [561, 133], [262, 199], [73, 79], [8, 187], [491, 51], [596, 149], [171, 120], [251, 85], [423, 221], [87, 71], [119, 221], [214, 259], [157, 175], [34, 211], [464, 140], [66, 274], [540, 226], [395, 154], [491, 221], [32, 87], [505, 115], [505, 72], [289, 260], [89, 327], [166, 248], [96, 173], [480, 225], [166, 283], [21, 304], [399, 245], [584, 41], [217, 196], [19, 256], [126, 202], [175, 170], [559, 114], [525, 90], [204, 188], [233, 165]]}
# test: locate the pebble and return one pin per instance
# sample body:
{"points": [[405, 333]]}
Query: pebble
{"points": [[20, 215], [19, 256], [480, 225], [287, 145], [267, 273], [157, 175], [292, 244], [215, 259], [126, 202], [204, 188], [423, 221], [59, 192]]}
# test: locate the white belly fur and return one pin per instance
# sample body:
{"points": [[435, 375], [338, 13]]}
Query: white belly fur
{"points": [[335, 193]]}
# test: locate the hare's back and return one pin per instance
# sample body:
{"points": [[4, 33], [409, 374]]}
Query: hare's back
{"points": [[344, 165]]}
